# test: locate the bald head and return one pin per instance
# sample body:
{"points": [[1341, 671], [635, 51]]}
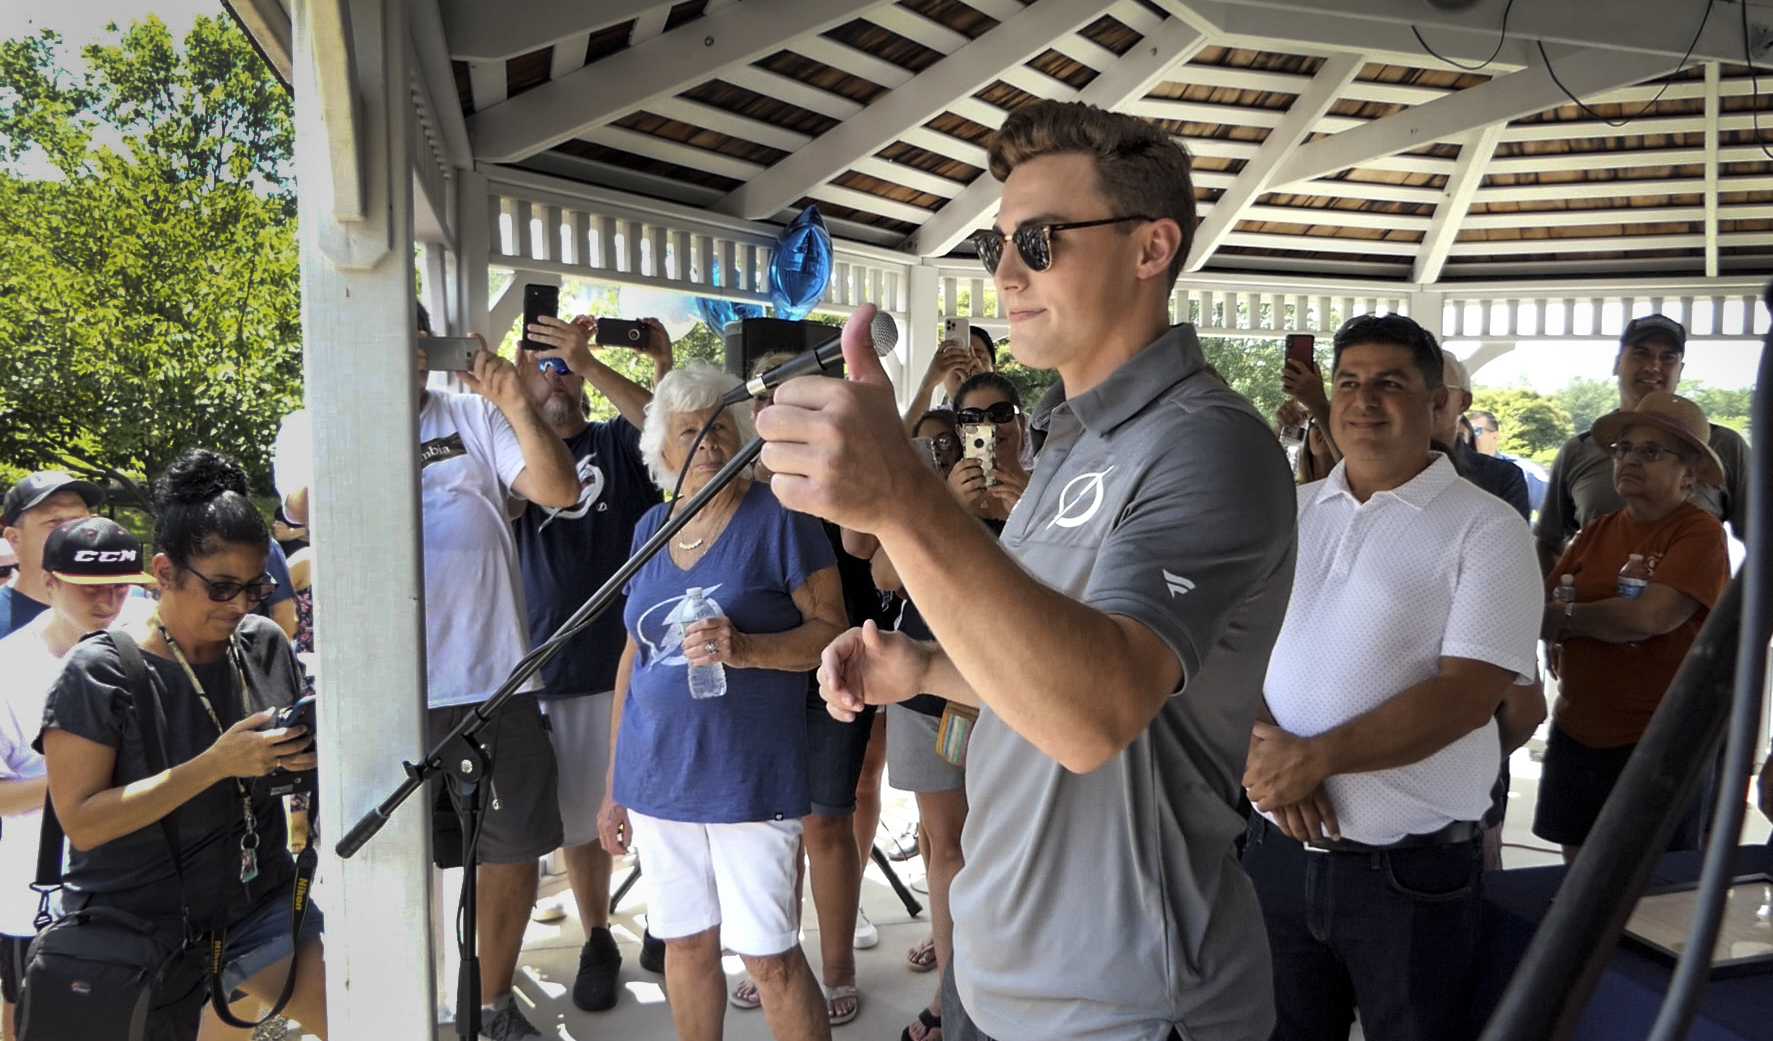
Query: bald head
{"points": [[1458, 383]]}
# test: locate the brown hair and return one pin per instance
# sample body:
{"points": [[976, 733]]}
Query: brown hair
{"points": [[1139, 168]]}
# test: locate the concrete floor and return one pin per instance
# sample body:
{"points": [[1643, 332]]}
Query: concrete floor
{"points": [[891, 993]]}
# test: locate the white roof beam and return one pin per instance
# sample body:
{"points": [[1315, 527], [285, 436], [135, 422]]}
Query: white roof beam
{"points": [[721, 121], [981, 112], [1134, 16], [1260, 172], [1245, 25], [1318, 244], [1609, 160], [1611, 217], [481, 31], [440, 81], [623, 139], [1449, 216], [794, 92], [1131, 76], [1620, 188], [946, 145], [1372, 191], [907, 176], [956, 76], [1084, 50], [868, 203], [1331, 217], [1711, 169], [843, 57], [1606, 244], [649, 24], [1038, 83], [660, 67], [1645, 26], [568, 55], [918, 29], [486, 84], [1501, 99]]}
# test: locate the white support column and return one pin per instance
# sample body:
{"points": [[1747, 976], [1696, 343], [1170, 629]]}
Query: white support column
{"points": [[1261, 171], [1711, 169], [357, 329], [922, 334], [474, 245]]}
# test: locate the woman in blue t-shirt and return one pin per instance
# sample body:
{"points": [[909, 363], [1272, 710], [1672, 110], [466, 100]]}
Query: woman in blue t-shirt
{"points": [[714, 788]]}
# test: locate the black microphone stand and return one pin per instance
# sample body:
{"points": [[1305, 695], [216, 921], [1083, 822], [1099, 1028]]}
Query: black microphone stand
{"points": [[466, 762]]}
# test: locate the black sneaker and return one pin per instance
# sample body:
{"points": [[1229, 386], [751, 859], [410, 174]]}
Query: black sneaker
{"points": [[652, 953], [502, 1021], [600, 963]]}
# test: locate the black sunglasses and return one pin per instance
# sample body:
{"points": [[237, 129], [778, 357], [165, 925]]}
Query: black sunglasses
{"points": [[1002, 412], [945, 442], [222, 592], [6, 570], [1033, 241]]}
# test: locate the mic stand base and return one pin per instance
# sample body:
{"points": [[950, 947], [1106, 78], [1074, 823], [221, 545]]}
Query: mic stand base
{"points": [[467, 769]]}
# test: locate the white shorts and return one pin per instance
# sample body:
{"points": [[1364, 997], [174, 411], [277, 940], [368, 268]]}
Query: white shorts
{"points": [[739, 877], [579, 729]]}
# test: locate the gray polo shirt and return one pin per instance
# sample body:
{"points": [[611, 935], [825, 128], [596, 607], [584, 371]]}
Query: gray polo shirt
{"points": [[1581, 487], [1110, 905]]}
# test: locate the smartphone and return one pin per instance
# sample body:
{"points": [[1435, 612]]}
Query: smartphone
{"points": [[449, 353], [979, 441], [960, 330], [619, 332], [1302, 348], [539, 300]]}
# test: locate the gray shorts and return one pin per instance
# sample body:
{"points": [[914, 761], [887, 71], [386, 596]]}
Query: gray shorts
{"points": [[522, 820], [913, 764], [579, 730]]}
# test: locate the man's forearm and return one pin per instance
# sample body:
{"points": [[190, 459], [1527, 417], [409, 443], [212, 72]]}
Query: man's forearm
{"points": [[554, 480], [1617, 620], [1062, 675], [629, 398], [22, 796], [1406, 729]]}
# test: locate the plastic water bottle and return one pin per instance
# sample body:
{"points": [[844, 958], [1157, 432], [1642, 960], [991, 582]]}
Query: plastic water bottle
{"points": [[1633, 577], [1565, 593], [705, 681]]}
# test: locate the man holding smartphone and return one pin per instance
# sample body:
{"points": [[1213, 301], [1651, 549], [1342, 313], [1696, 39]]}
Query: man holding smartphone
{"points": [[1135, 595]]}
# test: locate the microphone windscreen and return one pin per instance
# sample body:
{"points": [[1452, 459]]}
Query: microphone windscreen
{"points": [[885, 333]]}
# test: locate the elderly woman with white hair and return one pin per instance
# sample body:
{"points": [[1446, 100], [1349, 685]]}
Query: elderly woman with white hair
{"points": [[714, 788]]}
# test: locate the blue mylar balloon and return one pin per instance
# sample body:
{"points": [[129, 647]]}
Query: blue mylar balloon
{"points": [[717, 313], [800, 267]]}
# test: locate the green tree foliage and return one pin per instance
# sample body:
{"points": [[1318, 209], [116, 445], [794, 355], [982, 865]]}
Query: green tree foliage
{"points": [[1254, 367], [1532, 423], [1587, 399], [148, 286]]}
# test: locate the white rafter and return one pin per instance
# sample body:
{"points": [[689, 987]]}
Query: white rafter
{"points": [[775, 85], [660, 67], [1711, 169], [1449, 216], [1261, 172], [956, 76], [1502, 99], [481, 31], [1131, 76]]}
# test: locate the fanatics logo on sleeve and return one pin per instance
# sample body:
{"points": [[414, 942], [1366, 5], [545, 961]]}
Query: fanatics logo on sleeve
{"points": [[1178, 585]]}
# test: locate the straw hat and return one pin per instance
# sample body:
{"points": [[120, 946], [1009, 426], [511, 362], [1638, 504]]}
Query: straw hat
{"points": [[1672, 413]]}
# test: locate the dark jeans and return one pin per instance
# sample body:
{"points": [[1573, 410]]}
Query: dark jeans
{"points": [[1393, 933]]}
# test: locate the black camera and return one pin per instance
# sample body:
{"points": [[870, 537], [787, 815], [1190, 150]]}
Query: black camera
{"points": [[290, 782]]}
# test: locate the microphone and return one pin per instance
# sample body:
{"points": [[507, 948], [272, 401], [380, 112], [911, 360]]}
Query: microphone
{"points": [[821, 360]]}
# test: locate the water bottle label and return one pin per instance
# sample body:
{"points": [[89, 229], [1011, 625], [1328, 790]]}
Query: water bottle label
{"points": [[1631, 588]]}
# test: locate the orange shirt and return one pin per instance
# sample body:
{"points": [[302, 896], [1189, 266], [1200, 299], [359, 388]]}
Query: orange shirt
{"points": [[1610, 690]]}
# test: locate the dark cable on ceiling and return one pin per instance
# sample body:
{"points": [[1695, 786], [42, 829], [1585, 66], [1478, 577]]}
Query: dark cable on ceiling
{"points": [[1754, 82], [1500, 40], [1616, 124]]}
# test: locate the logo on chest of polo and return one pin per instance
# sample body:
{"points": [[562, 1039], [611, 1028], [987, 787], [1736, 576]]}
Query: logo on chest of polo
{"points": [[1080, 500]]}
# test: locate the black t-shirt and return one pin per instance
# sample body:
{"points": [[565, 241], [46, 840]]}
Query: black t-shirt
{"points": [[568, 554], [91, 700]]}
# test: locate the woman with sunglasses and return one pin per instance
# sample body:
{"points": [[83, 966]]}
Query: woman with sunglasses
{"points": [[951, 366], [1617, 645], [990, 398], [218, 673]]}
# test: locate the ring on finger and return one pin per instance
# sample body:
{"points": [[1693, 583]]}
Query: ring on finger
{"points": [[710, 647]]}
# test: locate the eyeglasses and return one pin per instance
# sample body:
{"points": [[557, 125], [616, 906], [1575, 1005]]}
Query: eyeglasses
{"points": [[222, 592], [1484, 430], [1649, 451], [1002, 412], [1033, 241], [945, 442], [6, 570]]}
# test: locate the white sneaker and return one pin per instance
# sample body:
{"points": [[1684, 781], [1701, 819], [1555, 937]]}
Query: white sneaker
{"points": [[866, 934], [548, 909]]}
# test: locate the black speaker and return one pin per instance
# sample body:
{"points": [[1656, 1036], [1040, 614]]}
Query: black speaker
{"points": [[751, 338]]}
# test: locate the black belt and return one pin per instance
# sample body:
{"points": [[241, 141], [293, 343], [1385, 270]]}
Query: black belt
{"points": [[1454, 834]]}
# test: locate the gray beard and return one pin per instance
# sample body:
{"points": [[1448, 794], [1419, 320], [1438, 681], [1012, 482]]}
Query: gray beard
{"points": [[559, 410]]}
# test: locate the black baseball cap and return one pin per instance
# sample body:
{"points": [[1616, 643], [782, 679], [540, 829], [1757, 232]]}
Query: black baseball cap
{"points": [[94, 551], [1655, 327], [39, 486]]}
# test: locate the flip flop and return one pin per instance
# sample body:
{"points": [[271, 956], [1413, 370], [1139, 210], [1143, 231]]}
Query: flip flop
{"points": [[748, 1002], [930, 1022], [922, 958], [833, 994]]}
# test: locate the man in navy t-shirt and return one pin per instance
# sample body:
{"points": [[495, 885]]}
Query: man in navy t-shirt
{"points": [[566, 556], [32, 509]]}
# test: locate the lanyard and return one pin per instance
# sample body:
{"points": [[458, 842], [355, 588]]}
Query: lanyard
{"points": [[249, 842]]}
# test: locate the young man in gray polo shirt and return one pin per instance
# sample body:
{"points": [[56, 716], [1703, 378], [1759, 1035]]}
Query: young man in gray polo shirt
{"points": [[1115, 639]]}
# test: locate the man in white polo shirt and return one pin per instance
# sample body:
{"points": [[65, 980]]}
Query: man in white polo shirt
{"points": [[1413, 611]]}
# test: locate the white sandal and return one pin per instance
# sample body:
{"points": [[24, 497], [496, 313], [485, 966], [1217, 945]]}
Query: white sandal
{"points": [[833, 994], [745, 1003]]}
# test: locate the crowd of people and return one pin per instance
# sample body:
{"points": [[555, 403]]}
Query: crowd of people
{"points": [[1200, 748]]}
